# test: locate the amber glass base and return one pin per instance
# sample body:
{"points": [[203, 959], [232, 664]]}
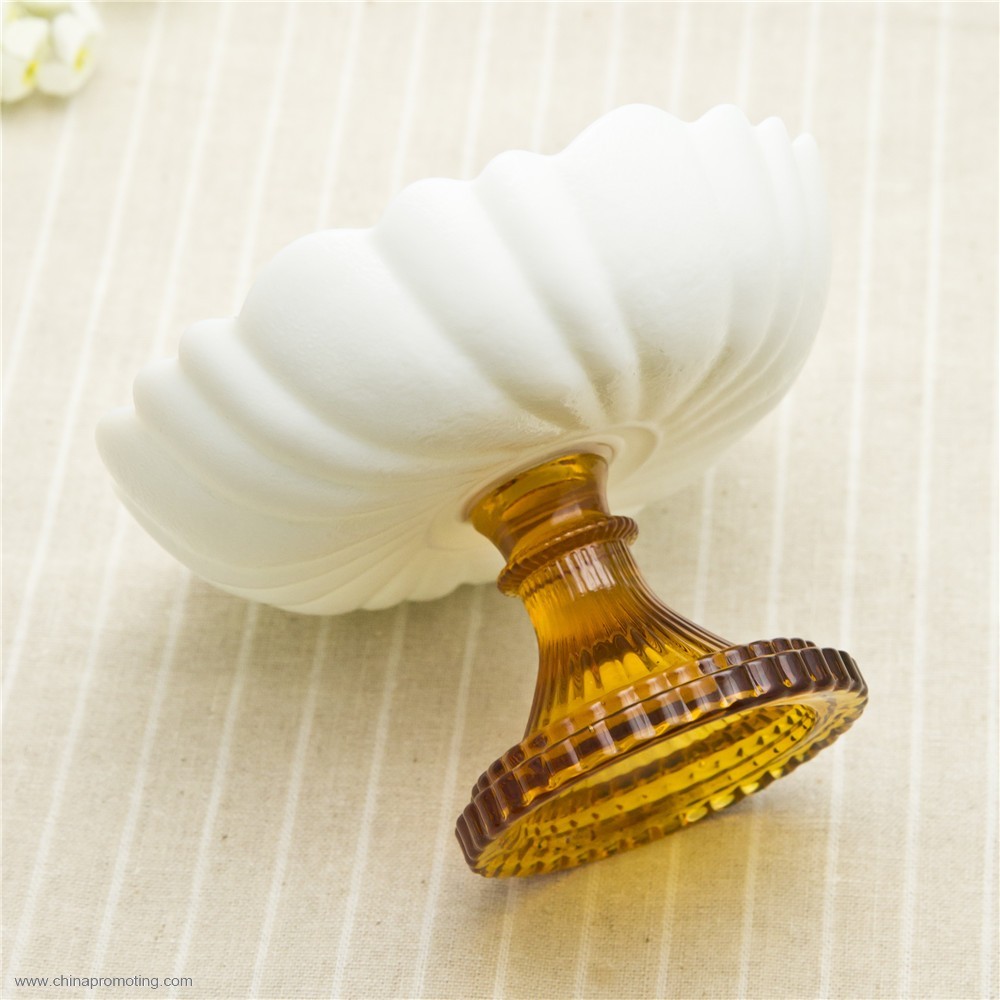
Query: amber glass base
{"points": [[642, 721]]}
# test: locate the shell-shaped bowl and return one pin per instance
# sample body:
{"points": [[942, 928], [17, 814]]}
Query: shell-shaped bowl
{"points": [[647, 293]]}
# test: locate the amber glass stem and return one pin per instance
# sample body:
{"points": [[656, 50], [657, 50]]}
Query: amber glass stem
{"points": [[599, 627]]}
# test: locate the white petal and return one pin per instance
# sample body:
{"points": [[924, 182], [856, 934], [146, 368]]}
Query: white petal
{"points": [[69, 35], [87, 13], [25, 42], [15, 82], [73, 45], [26, 38], [58, 79]]}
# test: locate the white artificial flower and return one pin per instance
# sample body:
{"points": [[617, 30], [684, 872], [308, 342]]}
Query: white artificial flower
{"points": [[48, 44], [23, 46], [73, 42]]}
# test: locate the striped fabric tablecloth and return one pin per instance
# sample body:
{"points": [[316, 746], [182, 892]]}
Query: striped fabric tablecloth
{"points": [[263, 804]]}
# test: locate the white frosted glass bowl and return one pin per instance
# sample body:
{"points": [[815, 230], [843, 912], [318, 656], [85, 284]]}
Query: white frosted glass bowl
{"points": [[646, 294]]}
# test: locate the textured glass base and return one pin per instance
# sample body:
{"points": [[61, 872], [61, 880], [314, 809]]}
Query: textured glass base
{"points": [[643, 722], [661, 763]]}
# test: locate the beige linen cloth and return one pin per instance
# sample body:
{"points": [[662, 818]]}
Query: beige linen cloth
{"points": [[263, 803]]}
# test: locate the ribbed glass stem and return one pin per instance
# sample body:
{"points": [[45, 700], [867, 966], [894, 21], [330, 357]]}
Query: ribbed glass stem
{"points": [[599, 627]]}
